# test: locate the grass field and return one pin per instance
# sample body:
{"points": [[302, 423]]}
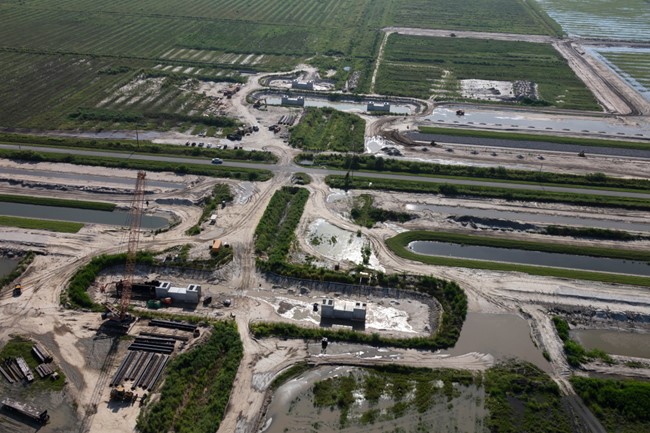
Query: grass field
{"points": [[60, 55], [418, 66], [326, 129]]}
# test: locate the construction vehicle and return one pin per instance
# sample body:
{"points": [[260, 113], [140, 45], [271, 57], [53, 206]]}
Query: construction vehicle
{"points": [[18, 289], [119, 318], [121, 394]]}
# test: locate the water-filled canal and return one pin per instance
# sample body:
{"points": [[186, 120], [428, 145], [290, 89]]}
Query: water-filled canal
{"points": [[88, 216], [599, 264]]}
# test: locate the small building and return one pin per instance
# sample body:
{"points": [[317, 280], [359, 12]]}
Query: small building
{"points": [[298, 102], [190, 294], [216, 246], [302, 85], [383, 107], [343, 310]]}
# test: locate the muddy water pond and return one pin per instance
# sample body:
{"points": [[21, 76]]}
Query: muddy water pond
{"points": [[614, 342], [438, 401], [503, 336], [89, 216], [7, 265], [570, 261], [532, 217]]}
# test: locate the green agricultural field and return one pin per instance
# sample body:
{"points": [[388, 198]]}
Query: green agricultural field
{"points": [[633, 63], [72, 64], [421, 66]]}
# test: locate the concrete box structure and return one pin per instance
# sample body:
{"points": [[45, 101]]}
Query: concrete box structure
{"points": [[190, 294], [383, 107], [343, 310], [298, 102], [303, 85]]}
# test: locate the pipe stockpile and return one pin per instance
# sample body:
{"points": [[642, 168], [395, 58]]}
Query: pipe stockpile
{"points": [[143, 368], [159, 335], [42, 354], [174, 325], [152, 344], [44, 369], [156, 374], [146, 371], [7, 376], [121, 370]]}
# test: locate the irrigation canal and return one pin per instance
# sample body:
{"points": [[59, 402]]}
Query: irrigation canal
{"points": [[88, 216], [535, 258]]}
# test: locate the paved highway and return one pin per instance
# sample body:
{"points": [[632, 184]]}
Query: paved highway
{"points": [[321, 171]]}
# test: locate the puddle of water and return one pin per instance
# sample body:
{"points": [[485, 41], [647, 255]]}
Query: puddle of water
{"points": [[120, 218], [614, 342], [292, 408], [531, 217], [7, 265], [501, 335], [570, 261], [336, 195], [338, 244]]}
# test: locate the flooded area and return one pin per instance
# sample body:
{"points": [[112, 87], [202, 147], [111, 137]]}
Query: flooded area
{"points": [[614, 342], [570, 261], [433, 401], [501, 118], [7, 265], [555, 219], [88, 216], [631, 64], [338, 244], [503, 336], [622, 19]]}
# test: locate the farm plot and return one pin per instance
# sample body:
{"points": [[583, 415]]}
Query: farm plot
{"points": [[501, 16], [457, 59], [632, 64], [622, 19]]}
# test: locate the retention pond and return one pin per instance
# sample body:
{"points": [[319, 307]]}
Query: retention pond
{"points": [[7, 265], [88, 216], [570, 261], [615, 342]]}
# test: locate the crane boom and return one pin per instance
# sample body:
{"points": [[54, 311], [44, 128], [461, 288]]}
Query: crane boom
{"points": [[134, 237]]}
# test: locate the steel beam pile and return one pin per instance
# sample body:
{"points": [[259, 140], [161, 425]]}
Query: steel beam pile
{"points": [[174, 325], [42, 354], [154, 344]]}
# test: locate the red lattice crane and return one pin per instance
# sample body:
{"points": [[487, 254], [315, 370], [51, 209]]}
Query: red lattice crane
{"points": [[135, 213]]}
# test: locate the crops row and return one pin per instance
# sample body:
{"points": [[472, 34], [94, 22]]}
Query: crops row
{"points": [[482, 59], [633, 65]]}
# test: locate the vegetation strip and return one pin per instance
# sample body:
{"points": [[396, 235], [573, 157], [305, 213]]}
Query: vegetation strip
{"points": [[142, 147], [398, 244], [197, 385], [621, 405], [488, 241], [391, 165], [38, 224], [365, 214], [139, 164], [415, 186], [590, 142], [47, 201]]}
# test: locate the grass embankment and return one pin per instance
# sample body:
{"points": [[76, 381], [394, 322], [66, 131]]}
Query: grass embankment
{"points": [[621, 405], [22, 265], [365, 214], [398, 244], [197, 386], [22, 347], [496, 174], [512, 136], [140, 164], [590, 233], [58, 202], [37, 224], [327, 129], [577, 355], [220, 193], [422, 186], [143, 147]]}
